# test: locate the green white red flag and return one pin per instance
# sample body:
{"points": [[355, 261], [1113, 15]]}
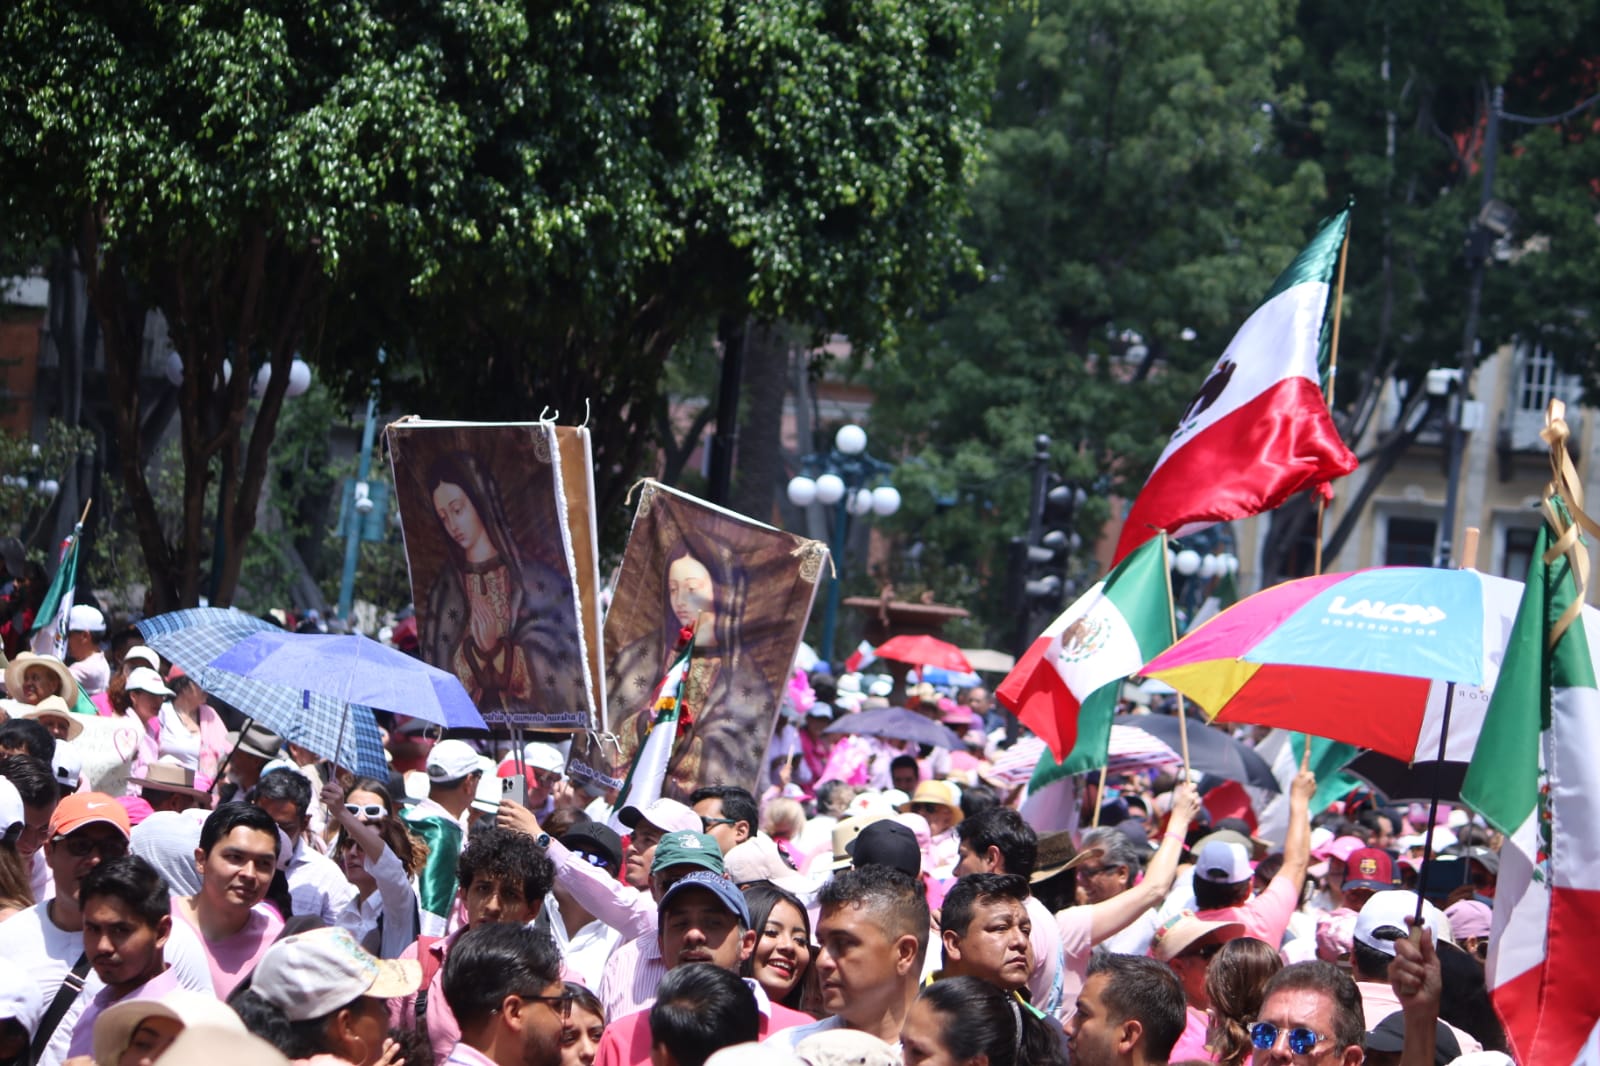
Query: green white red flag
{"points": [[50, 624], [1535, 776], [1065, 686], [648, 772], [1258, 431]]}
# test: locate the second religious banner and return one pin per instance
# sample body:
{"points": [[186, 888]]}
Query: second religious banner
{"points": [[746, 590]]}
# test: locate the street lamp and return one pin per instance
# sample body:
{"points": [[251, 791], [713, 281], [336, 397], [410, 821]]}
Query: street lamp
{"points": [[854, 484], [1199, 562]]}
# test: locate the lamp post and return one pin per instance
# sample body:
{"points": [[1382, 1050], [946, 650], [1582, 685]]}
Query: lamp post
{"points": [[1198, 562], [362, 500], [843, 479]]}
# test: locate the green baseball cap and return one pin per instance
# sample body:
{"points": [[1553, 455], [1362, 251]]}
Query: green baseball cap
{"points": [[686, 848]]}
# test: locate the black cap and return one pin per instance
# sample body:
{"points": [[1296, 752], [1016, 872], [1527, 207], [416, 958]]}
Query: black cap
{"points": [[887, 843], [598, 839], [1390, 1035]]}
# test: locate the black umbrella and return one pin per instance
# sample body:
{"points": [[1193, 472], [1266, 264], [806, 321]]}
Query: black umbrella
{"points": [[1417, 782], [900, 724], [1211, 751]]}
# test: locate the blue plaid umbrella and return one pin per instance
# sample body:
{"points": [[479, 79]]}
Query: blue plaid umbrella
{"points": [[345, 733]]}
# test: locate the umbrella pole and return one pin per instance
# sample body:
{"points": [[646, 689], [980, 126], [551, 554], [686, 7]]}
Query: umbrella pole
{"points": [[1099, 799], [222, 767], [338, 747], [1433, 803]]}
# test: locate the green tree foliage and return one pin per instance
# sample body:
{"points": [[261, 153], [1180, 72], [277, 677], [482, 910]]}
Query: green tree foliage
{"points": [[1134, 207], [529, 206]]}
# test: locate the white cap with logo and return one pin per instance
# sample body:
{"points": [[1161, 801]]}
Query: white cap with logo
{"points": [[451, 760], [311, 975]]}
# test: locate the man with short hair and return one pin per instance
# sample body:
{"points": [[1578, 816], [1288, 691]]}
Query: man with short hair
{"points": [[237, 856], [454, 770], [256, 747], [727, 812], [317, 886], [1222, 874], [904, 773], [86, 662], [504, 878], [701, 1010], [25, 736], [704, 919], [983, 929], [1111, 865], [1382, 923], [1310, 1012], [35, 783], [1129, 1013], [503, 984], [872, 936], [128, 938]]}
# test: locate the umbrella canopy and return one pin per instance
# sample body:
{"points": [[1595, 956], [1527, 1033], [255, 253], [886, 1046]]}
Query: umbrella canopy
{"points": [[353, 669], [1368, 658], [1417, 782], [899, 723], [346, 733], [923, 650], [1211, 750]]}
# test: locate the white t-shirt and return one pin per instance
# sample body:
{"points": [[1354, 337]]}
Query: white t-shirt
{"points": [[29, 939], [789, 1039]]}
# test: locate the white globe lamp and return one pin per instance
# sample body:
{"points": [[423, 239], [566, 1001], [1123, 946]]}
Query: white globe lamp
{"points": [[885, 500], [299, 378], [1188, 563], [851, 439], [830, 489], [174, 368], [802, 491]]}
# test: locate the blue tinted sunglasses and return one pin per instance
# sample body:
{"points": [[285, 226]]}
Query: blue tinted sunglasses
{"points": [[1264, 1035]]}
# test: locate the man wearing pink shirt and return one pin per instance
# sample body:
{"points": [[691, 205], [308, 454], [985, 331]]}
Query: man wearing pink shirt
{"points": [[503, 983], [1223, 876]]}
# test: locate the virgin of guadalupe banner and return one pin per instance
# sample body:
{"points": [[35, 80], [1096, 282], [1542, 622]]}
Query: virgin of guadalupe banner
{"points": [[746, 589], [501, 553]]}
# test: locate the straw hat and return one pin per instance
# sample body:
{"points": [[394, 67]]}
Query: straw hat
{"points": [[55, 707], [18, 666]]}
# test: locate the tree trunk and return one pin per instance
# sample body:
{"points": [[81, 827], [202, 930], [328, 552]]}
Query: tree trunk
{"points": [[766, 383]]}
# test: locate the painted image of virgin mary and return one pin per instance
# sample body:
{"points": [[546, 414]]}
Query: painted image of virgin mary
{"points": [[501, 620], [728, 699]]}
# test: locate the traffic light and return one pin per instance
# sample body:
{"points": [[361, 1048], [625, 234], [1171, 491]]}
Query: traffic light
{"points": [[1049, 555]]}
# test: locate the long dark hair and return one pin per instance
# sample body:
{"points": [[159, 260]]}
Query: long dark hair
{"points": [[761, 897], [1234, 981], [1464, 1002], [459, 469], [412, 850], [730, 587], [982, 1019]]}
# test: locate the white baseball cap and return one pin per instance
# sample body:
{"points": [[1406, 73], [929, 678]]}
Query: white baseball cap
{"points": [[1383, 920], [86, 619], [540, 756], [141, 653], [144, 679], [311, 975], [20, 997], [1223, 862], [11, 812], [67, 764], [667, 815], [451, 760]]}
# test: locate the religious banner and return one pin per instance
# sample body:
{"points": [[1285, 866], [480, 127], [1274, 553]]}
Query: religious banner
{"points": [[500, 541], [745, 591]]}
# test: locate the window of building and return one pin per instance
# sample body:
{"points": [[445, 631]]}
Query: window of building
{"points": [[1409, 541], [1518, 554], [1542, 381]]}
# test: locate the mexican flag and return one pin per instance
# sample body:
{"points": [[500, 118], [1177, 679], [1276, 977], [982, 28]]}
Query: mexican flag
{"points": [[1066, 684], [50, 624], [863, 656], [1258, 431], [1534, 777], [648, 773]]}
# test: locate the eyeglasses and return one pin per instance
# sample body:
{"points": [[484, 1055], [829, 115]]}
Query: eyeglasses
{"points": [[83, 847], [1095, 871], [1264, 1035], [561, 1004], [372, 812], [709, 822]]}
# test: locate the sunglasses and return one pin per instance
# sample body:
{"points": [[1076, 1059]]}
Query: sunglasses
{"points": [[107, 848], [926, 808], [371, 812], [709, 822], [1264, 1035]]}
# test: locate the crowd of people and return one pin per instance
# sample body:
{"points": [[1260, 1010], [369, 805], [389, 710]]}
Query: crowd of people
{"points": [[200, 892]]}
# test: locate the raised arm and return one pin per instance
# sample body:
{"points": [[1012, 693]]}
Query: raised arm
{"points": [[1110, 917]]}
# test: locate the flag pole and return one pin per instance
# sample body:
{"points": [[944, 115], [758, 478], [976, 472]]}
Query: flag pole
{"points": [[1172, 619], [1333, 374], [1099, 799]]}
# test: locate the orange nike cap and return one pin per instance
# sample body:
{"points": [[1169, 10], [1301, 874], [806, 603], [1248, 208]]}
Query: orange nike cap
{"points": [[87, 808]]}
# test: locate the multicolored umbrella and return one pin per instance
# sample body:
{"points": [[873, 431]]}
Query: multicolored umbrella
{"points": [[1370, 658]]}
